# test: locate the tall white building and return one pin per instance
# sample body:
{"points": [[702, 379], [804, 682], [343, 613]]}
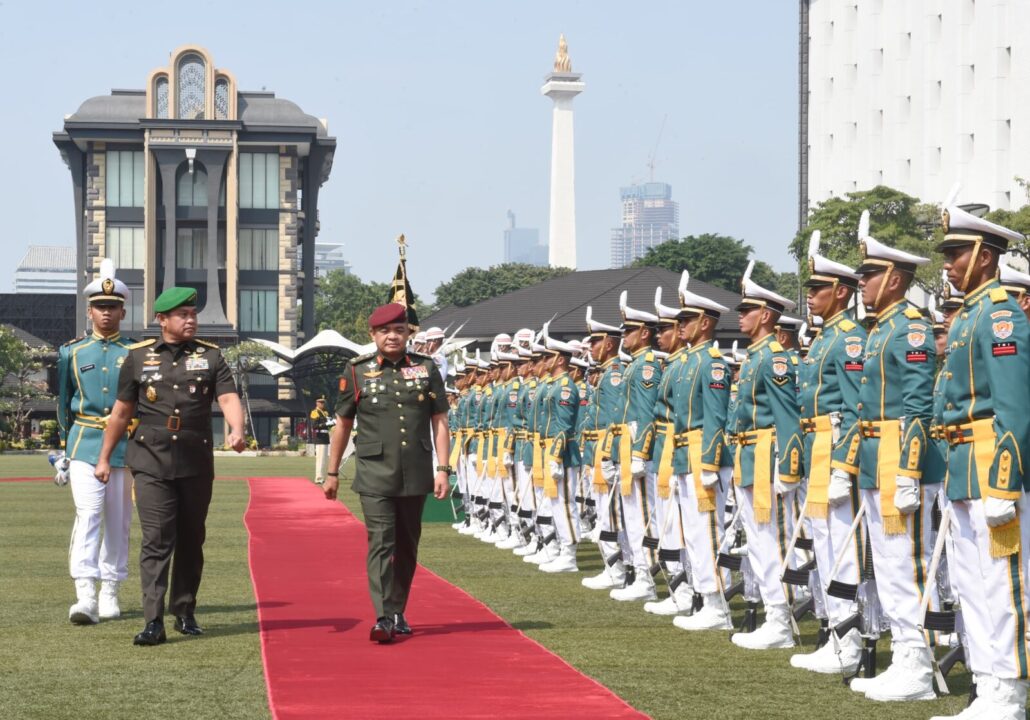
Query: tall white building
{"points": [[46, 269], [649, 217], [916, 95]]}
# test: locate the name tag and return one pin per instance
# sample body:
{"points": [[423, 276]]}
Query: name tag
{"points": [[195, 363], [151, 368], [87, 368], [412, 373]]}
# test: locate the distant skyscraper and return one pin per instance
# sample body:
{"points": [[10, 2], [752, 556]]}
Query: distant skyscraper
{"points": [[649, 217], [522, 245], [329, 257], [46, 269]]}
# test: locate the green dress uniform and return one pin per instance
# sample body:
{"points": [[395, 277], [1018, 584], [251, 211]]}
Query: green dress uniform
{"points": [[171, 457], [392, 404]]}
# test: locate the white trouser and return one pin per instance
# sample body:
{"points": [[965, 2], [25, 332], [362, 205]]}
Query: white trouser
{"points": [[668, 526], [507, 484], [703, 532], [543, 505], [459, 473], [321, 453], [829, 536], [524, 488], [992, 592], [565, 509], [498, 495], [638, 517], [96, 503], [767, 542], [900, 563], [609, 520]]}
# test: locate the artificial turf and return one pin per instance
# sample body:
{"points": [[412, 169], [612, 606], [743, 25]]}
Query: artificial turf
{"points": [[51, 669]]}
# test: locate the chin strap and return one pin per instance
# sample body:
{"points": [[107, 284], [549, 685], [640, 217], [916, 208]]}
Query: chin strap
{"points": [[969, 268], [883, 286]]}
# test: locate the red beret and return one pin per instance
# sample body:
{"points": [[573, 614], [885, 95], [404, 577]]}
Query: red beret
{"points": [[386, 314]]}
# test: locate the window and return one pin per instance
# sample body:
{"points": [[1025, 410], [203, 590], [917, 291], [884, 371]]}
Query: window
{"points": [[125, 247], [259, 310], [191, 89], [124, 182], [259, 180], [161, 98], [259, 249], [221, 99], [134, 319], [192, 186], [191, 248]]}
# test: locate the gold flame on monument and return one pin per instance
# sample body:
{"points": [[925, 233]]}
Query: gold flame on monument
{"points": [[562, 63]]}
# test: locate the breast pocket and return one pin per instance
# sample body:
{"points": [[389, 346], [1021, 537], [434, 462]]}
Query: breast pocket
{"points": [[368, 448]]}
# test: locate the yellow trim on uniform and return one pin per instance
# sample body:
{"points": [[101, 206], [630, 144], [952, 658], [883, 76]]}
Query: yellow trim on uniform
{"points": [[819, 470], [668, 431]]}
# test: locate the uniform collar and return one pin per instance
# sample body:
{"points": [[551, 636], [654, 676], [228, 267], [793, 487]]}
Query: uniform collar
{"points": [[109, 338], [640, 351], [760, 343], [974, 296], [891, 310], [678, 354], [699, 347], [609, 362], [835, 319], [405, 359]]}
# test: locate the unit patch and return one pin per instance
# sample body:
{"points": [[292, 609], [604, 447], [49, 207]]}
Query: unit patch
{"points": [[853, 347], [854, 366], [779, 366], [1002, 329], [915, 356], [718, 373], [1003, 348], [647, 372], [916, 338]]}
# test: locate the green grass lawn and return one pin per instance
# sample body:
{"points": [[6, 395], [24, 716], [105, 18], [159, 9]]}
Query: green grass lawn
{"points": [[50, 669]]}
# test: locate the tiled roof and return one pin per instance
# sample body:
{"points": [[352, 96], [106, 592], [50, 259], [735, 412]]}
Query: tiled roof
{"points": [[48, 258]]}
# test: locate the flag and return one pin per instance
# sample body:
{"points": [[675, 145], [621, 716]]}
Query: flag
{"points": [[400, 288]]}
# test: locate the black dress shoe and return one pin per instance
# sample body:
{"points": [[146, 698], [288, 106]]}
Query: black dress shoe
{"points": [[187, 625], [382, 631], [400, 625], [153, 634]]}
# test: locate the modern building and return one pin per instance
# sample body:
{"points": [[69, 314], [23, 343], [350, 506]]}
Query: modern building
{"points": [[191, 181], [329, 257], [522, 245], [46, 269], [916, 95], [649, 217]]}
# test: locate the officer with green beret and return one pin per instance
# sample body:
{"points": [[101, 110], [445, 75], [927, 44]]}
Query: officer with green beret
{"points": [[169, 383], [395, 398]]}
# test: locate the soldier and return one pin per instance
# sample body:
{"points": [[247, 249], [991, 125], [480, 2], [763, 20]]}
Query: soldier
{"points": [[434, 341], [986, 426], [767, 468], [548, 548], [895, 408], [87, 370], [395, 397], [1018, 286], [788, 334], [319, 429], [169, 383], [524, 452], [829, 385], [633, 428], [702, 477], [505, 409]]}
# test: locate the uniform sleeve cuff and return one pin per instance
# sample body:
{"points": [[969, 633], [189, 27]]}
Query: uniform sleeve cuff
{"points": [[641, 455], [850, 469], [790, 479], [916, 474], [709, 467], [1003, 494]]}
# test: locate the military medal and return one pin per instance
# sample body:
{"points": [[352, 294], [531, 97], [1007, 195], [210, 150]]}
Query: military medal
{"points": [[421, 397], [151, 393]]}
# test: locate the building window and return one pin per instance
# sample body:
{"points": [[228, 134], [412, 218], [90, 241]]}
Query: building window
{"points": [[134, 319], [191, 248], [161, 98], [258, 310], [192, 186], [259, 249], [259, 180], [124, 182], [126, 248], [191, 89], [221, 99]]}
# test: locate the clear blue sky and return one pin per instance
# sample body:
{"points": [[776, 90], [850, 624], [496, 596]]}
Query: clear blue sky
{"points": [[437, 111]]}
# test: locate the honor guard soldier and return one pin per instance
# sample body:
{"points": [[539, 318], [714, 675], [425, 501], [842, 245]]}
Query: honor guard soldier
{"points": [[1017, 284], [829, 382], [522, 500], [87, 373], [319, 429], [702, 476], [394, 397], [434, 343], [768, 463], [504, 421], [987, 428], [633, 428], [895, 408], [170, 383], [548, 548]]}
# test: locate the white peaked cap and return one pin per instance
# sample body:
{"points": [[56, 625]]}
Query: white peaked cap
{"points": [[1010, 277], [580, 362], [660, 355], [420, 337], [524, 352], [502, 356], [693, 302], [962, 227], [664, 312], [434, 333], [877, 255], [525, 337], [825, 271], [598, 328], [556, 345], [106, 286], [754, 294], [500, 340], [624, 356], [632, 316], [786, 322]]}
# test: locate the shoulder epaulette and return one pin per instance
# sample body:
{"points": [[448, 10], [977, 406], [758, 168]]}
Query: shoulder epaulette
{"points": [[421, 356], [714, 352], [775, 346], [142, 344], [208, 344], [564, 381], [649, 357], [75, 340], [846, 325], [999, 295], [362, 358], [914, 314], [515, 385], [794, 359]]}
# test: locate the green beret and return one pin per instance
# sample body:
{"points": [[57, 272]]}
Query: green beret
{"points": [[175, 297]]}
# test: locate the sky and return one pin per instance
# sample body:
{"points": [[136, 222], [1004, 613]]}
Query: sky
{"points": [[436, 108]]}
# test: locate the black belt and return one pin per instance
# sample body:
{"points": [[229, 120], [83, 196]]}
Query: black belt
{"points": [[173, 423]]}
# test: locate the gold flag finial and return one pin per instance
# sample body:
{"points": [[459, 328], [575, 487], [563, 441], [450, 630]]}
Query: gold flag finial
{"points": [[562, 63], [402, 245]]}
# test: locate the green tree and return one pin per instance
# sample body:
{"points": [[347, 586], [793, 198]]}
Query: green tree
{"points": [[21, 381], [473, 285], [344, 302], [1018, 220]]}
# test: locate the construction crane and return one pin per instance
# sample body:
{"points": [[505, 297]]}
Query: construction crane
{"points": [[654, 152]]}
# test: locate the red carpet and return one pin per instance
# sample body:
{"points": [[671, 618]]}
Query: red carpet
{"points": [[307, 562], [27, 479]]}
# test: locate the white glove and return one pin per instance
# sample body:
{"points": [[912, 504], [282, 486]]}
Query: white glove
{"points": [[840, 487], [709, 478], [782, 488], [633, 431], [998, 511], [508, 460], [906, 497], [472, 463], [61, 465], [638, 467], [557, 470], [608, 471]]}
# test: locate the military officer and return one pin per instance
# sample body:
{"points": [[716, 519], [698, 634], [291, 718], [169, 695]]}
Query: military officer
{"points": [[895, 408], [987, 429], [395, 397], [170, 382], [829, 384], [87, 370], [768, 463], [319, 429]]}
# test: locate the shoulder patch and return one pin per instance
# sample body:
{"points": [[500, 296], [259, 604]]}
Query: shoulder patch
{"points": [[516, 385], [846, 325], [649, 357], [564, 381], [142, 344], [205, 342], [714, 352], [775, 346], [999, 295], [913, 313], [75, 340], [794, 359]]}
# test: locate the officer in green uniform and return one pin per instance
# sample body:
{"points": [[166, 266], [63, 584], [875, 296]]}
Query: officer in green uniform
{"points": [[170, 383], [319, 432], [395, 397]]}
